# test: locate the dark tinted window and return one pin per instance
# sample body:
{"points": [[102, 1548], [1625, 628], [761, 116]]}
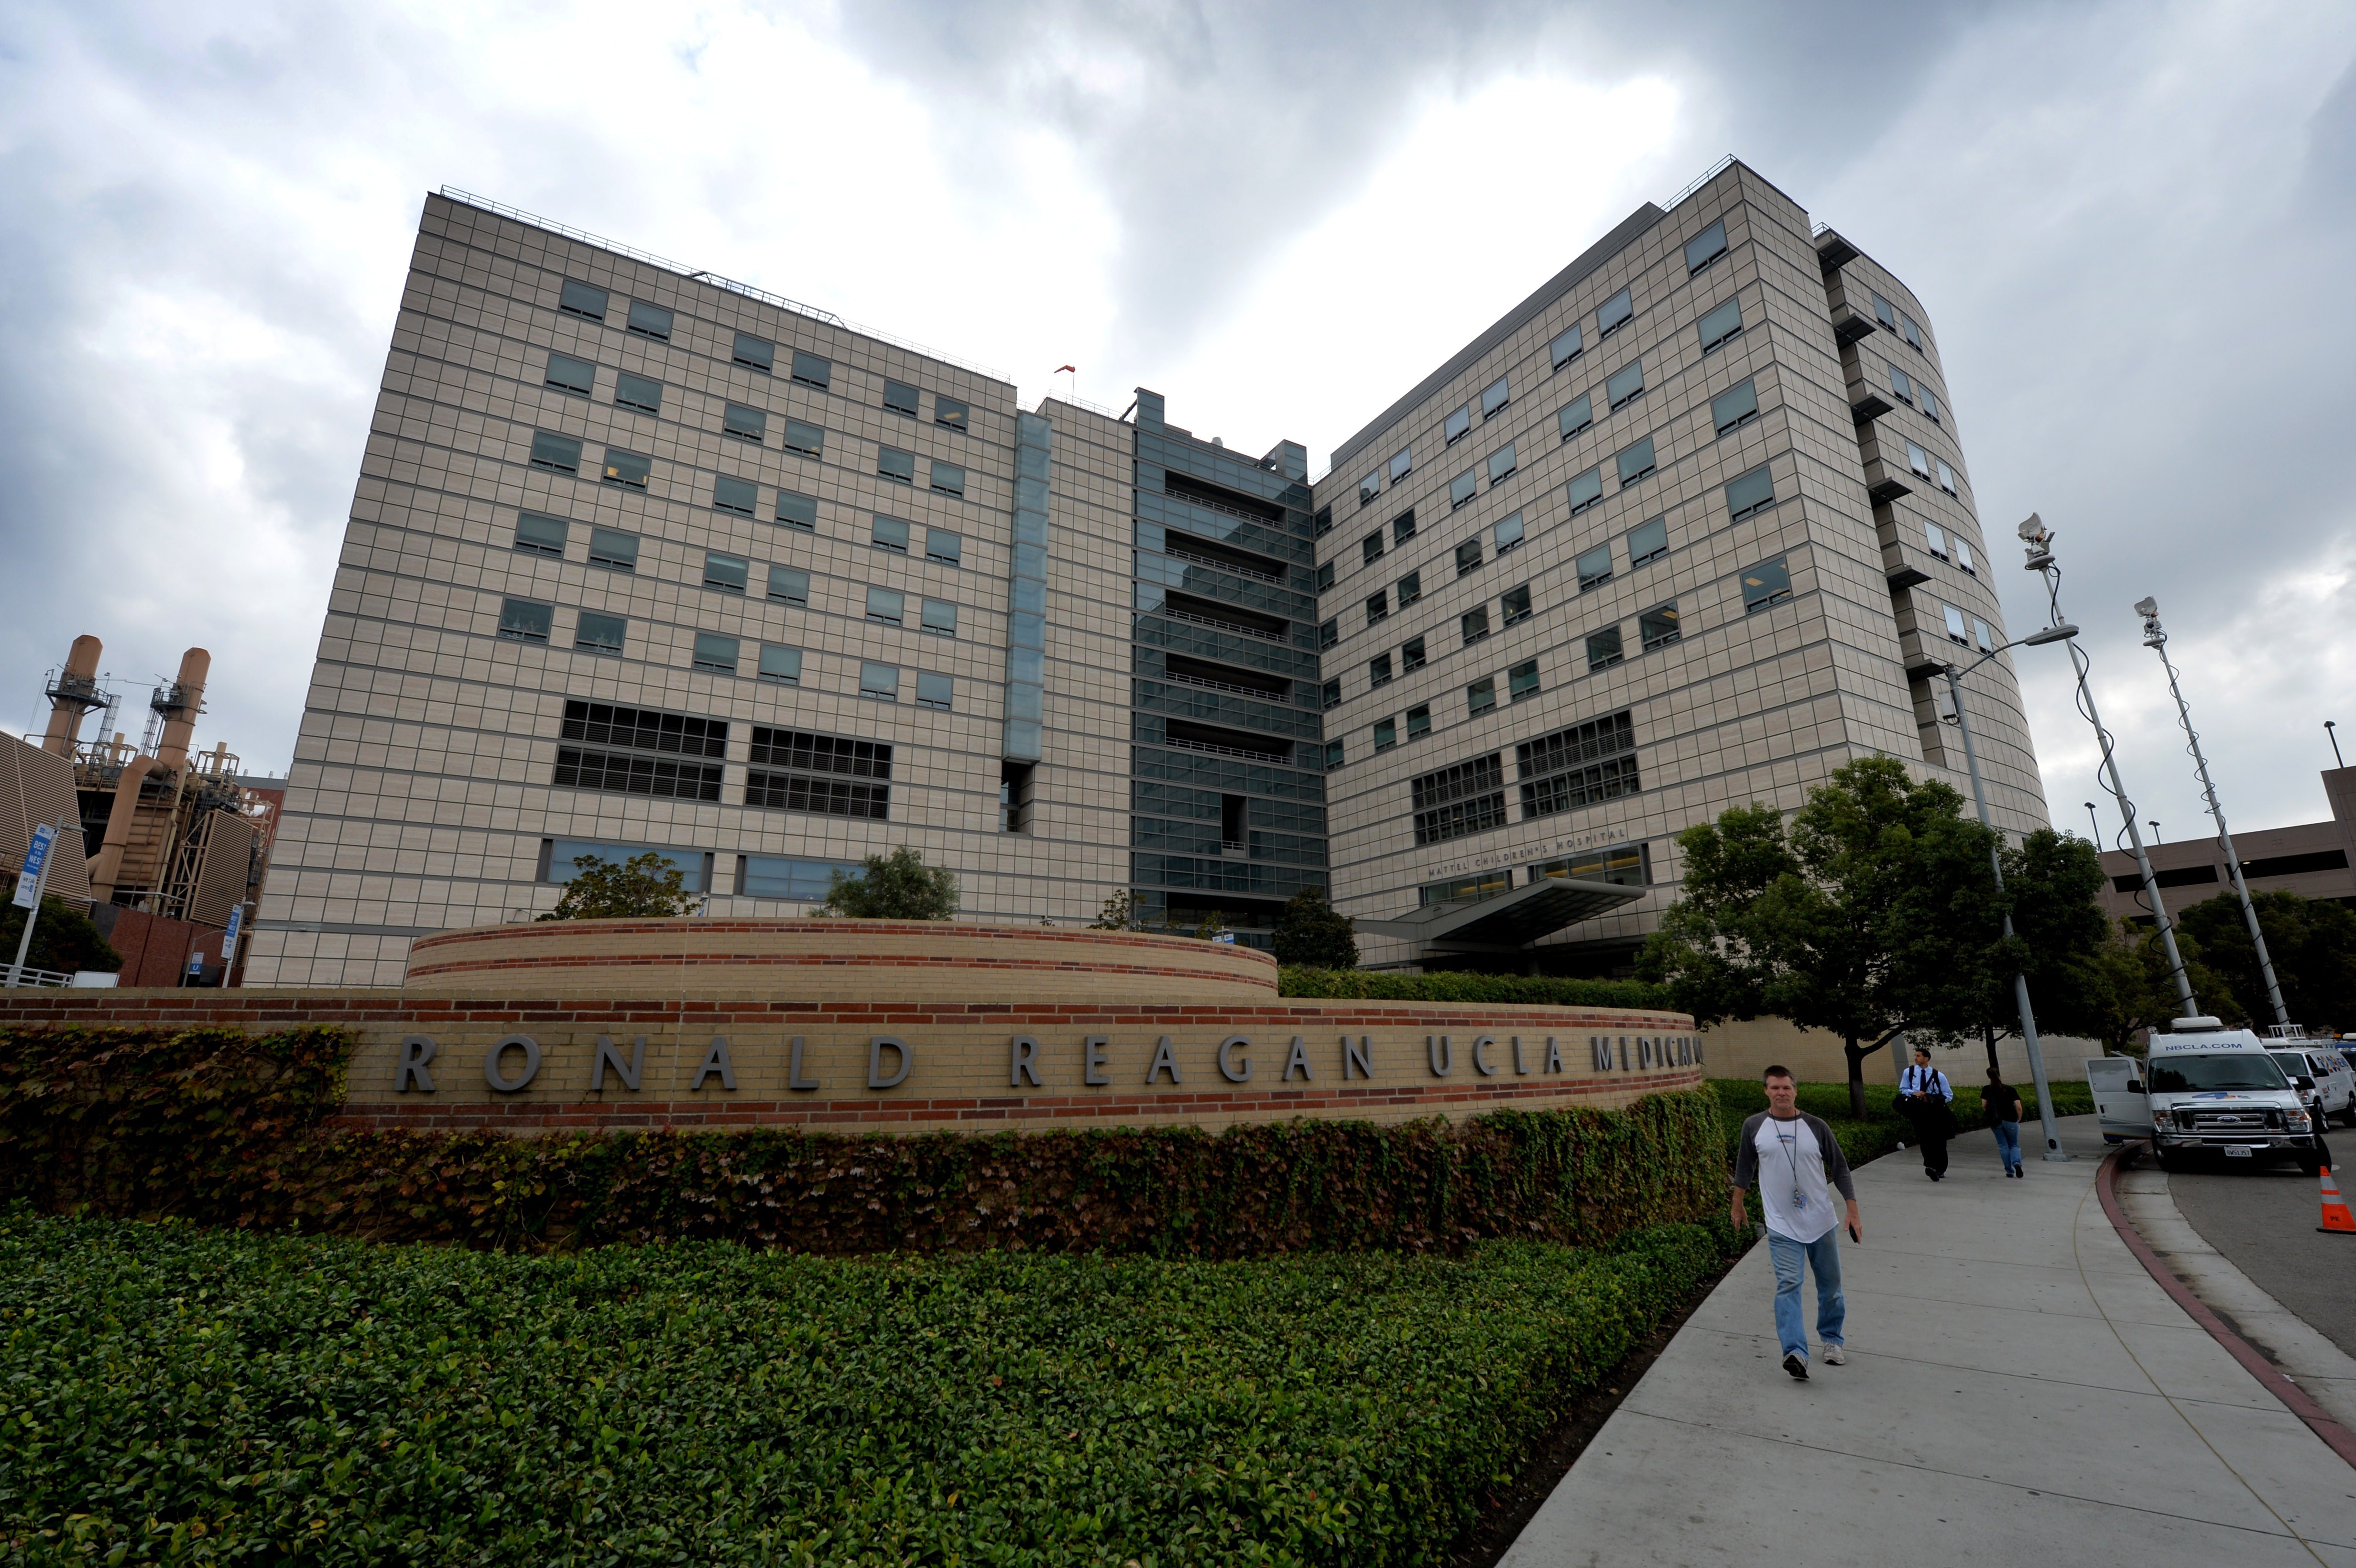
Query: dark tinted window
{"points": [[1613, 313], [891, 463], [728, 573], [600, 634], [561, 453], [537, 535], [1495, 396], [627, 468], [796, 510], [755, 353], [1566, 349], [1735, 407], [2235, 1070], [1767, 584], [582, 299], [525, 621], [746, 424], [1749, 493], [1721, 324], [1575, 416], [569, 375], [1625, 383], [1636, 461], [611, 547], [811, 370], [900, 398], [639, 392], [1705, 247], [790, 585], [948, 478], [733, 495], [1648, 541], [806, 439], [650, 320], [1459, 422], [949, 411]]}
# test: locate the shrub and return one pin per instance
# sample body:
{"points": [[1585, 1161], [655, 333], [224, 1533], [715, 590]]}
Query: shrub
{"points": [[1312, 931], [64, 940], [644, 887], [898, 886], [1463, 985]]}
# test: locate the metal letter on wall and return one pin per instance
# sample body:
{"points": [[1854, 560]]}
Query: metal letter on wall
{"points": [[1164, 1058], [1092, 1059], [1227, 1069], [1488, 1068], [876, 1046], [793, 1079], [627, 1073], [717, 1062], [491, 1074], [1360, 1056], [1553, 1056], [1442, 1054], [417, 1050], [1023, 1063], [1299, 1058]]}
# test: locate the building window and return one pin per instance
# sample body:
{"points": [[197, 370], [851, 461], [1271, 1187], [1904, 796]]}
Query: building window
{"points": [[893, 463], [790, 585], [1403, 527], [940, 617], [950, 411], [1329, 694], [1883, 313], [1566, 347], [1595, 567], [755, 353], [567, 374], [1981, 636], [1333, 755], [1648, 542], [942, 545], [1409, 588], [1734, 407], [1385, 733], [1522, 680], [1462, 489], [1418, 722], [1513, 606], [1900, 387], [1956, 631], [881, 681], [801, 881], [1629, 865], [1324, 575], [1370, 549], [728, 494], [1936, 537], [1323, 524], [1458, 423], [812, 371], [599, 633], [1918, 459], [582, 300], [1501, 462], [1329, 632], [1402, 464], [1411, 655], [1577, 415], [715, 653], [797, 511], [886, 606], [1750, 493], [1964, 555], [745, 424], [1636, 461], [1910, 332], [1657, 627], [1508, 533], [640, 393], [1603, 649], [645, 729], [861, 790], [1613, 313], [1626, 384], [1379, 671], [1495, 396], [900, 398], [728, 573], [889, 533], [1576, 767], [783, 666], [560, 453], [936, 691], [538, 533], [1930, 403], [948, 479], [1474, 624], [1722, 325], [1370, 488], [525, 621], [1585, 489], [1378, 605], [1705, 247], [1481, 696], [650, 321], [1468, 555], [1769, 583], [627, 468], [1946, 479], [611, 547]]}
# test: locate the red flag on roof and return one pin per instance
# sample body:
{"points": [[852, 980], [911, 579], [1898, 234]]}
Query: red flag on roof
{"points": [[1059, 370]]}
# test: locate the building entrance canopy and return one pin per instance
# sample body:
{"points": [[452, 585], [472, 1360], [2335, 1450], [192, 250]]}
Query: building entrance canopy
{"points": [[1508, 921]]}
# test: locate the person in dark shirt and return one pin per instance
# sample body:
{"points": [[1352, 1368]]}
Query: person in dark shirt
{"points": [[2000, 1102]]}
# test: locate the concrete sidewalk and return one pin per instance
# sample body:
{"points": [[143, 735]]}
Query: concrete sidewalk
{"points": [[2018, 1390]]}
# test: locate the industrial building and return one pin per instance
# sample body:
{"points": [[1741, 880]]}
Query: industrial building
{"points": [[2312, 859], [644, 558]]}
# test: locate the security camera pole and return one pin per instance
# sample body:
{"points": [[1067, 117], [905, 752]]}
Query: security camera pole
{"points": [[2155, 637], [2039, 542], [2056, 634]]}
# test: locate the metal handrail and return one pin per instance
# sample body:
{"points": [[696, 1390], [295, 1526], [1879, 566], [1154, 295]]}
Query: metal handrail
{"points": [[1210, 685], [1707, 175], [1216, 507], [1215, 564], [700, 275], [1282, 758], [1237, 628]]}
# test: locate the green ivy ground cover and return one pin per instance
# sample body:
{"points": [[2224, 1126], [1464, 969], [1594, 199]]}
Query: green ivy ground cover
{"points": [[172, 1393], [1738, 1098]]}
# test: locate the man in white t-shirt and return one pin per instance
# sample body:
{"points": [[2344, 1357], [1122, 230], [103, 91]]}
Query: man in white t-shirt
{"points": [[1795, 1162]]}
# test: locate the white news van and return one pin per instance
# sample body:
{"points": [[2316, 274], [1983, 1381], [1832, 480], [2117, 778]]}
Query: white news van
{"points": [[2206, 1088]]}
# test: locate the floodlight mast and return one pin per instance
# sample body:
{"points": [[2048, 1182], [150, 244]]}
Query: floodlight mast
{"points": [[2155, 637], [2039, 542]]}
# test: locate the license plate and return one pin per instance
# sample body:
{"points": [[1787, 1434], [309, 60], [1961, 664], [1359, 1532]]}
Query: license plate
{"points": [[2237, 1151]]}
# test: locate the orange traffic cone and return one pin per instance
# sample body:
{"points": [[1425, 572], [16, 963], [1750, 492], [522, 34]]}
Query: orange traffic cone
{"points": [[2336, 1217]]}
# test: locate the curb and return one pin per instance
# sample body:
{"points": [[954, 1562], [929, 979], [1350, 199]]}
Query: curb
{"points": [[2340, 1441]]}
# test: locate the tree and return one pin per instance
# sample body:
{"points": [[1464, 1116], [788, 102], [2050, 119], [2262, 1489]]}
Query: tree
{"points": [[898, 886], [1311, 931], [644, 887], [2053, 882], [63, 939], [1876, 914], [2311, 941], [2124, 988], [1117, 914]]}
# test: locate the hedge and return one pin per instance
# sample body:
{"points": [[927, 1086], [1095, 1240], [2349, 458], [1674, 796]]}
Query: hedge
{"points": [[226, 1128], [178, 1394], [1881, 1131], [1464, 985]]}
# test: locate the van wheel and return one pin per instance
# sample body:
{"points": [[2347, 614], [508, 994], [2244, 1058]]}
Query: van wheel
{"points": [[2167, 1160], [2310, 1165]]}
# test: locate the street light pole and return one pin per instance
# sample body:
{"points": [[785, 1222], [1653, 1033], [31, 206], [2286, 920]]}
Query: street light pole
{"points": [[2040, 542], [2331, 729], [2094, 823], [2155, 637], [2056, 634]]}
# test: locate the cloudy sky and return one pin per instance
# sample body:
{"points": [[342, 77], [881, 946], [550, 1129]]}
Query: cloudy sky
{"points": [[2132, 223]]}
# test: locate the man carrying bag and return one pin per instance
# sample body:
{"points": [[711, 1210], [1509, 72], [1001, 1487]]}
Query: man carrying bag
{"points": [[1926, 1099]]}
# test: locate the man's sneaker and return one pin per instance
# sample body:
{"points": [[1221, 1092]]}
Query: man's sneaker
{"points": [[1835, 1355], [1797, 1365]]}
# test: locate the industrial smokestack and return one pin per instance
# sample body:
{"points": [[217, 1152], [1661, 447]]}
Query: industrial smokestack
{"points": [[74, 695], [186, 694], [108, 864]]}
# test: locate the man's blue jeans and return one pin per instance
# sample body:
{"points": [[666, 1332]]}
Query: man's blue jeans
{"points": [[2008, 1144], [1823, 1255]]}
